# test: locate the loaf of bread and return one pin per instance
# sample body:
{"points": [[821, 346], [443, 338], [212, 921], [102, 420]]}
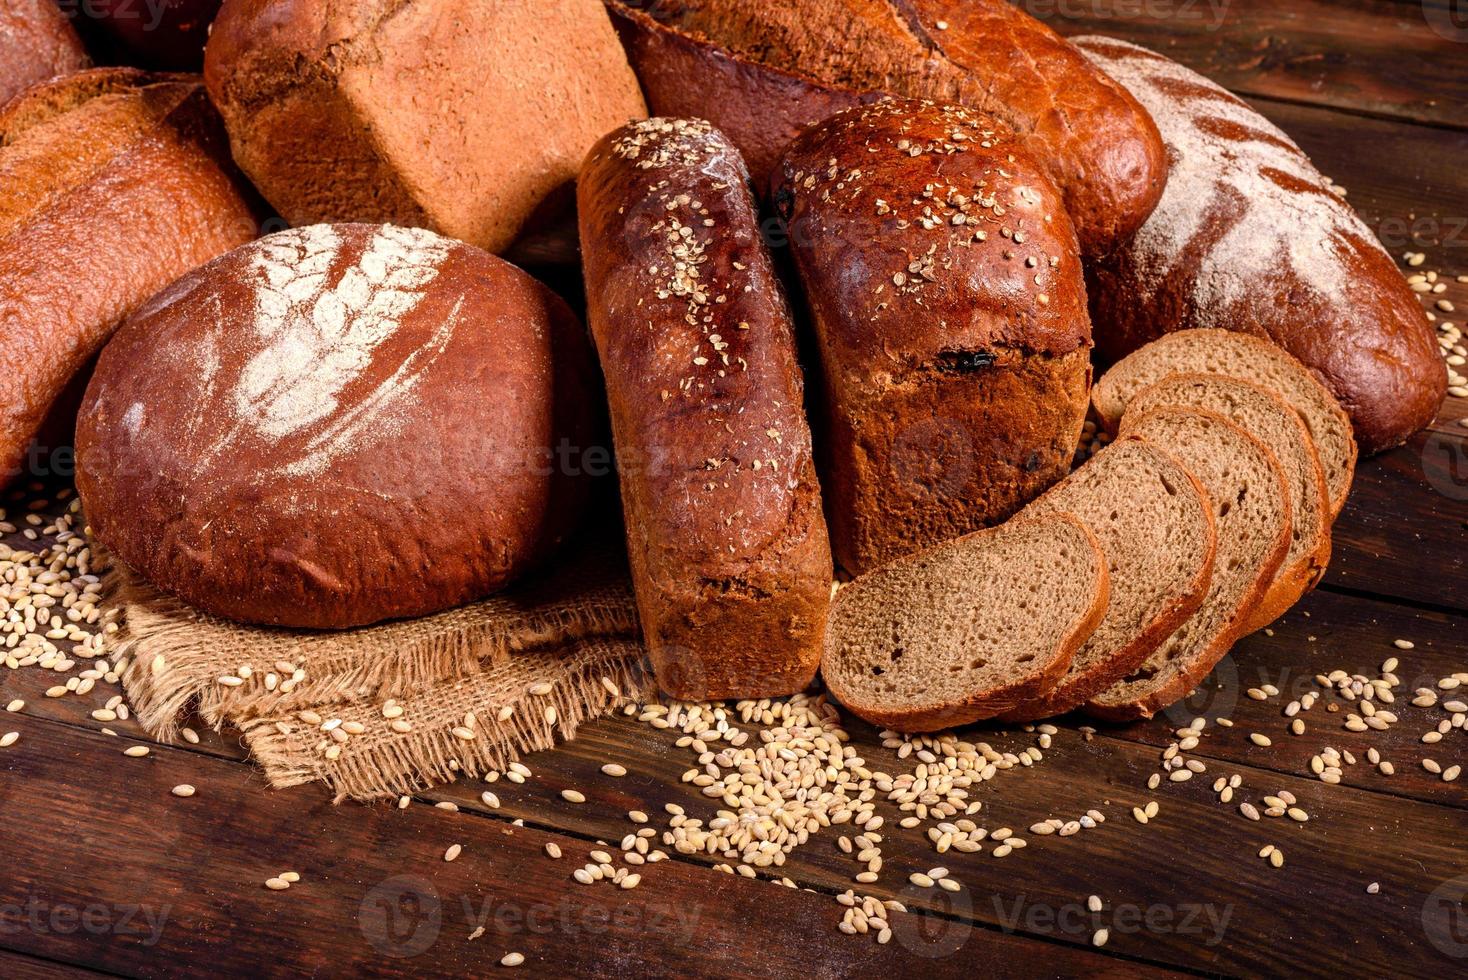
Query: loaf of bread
{"points": [[336, 425], [946, 292], [763, 71], [968, 629], [37, 42], [469, 117], [113, 183], [730, 557], [1249, 236]]}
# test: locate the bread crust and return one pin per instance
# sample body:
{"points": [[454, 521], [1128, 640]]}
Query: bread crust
{"points": [[944, 286], [1096, 141], [729, 550], [433, 114], [37, 42], [1342, 308], [1064, 697], [115, 182], [995, 702], [337, 425]]}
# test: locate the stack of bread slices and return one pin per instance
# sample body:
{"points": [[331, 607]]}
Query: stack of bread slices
{"points": [[1118, 590]]}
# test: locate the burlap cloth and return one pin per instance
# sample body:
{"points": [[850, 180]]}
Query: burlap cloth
{"points": [[573, 628]]}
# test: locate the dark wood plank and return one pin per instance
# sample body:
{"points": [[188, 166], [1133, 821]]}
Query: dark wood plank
{"points": [[174, 886], [17, 966], [1326, 632], [1362, 56]]}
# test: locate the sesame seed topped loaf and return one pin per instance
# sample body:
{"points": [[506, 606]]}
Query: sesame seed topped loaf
{"points": [[336, 425], [764, 71], [113, 183], [1154, 523], [1266, 417], [1249, 236], [1249, 358], [945, 288], [470, 117], [37, 42], [967, 629], [1251, 497], [730, 558]]}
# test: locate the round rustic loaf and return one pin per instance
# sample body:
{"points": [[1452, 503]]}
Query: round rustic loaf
{"points": [[336, 425]]}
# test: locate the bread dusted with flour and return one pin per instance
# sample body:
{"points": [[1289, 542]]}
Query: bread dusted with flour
{"points": [[336, 425], [730, 557], [465, 116], [1249, 236], [763, 71], [945, 288]]}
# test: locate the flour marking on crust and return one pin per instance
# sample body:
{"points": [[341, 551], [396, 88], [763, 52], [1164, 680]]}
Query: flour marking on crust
{"points": [[319, 337], [1220, 147]]}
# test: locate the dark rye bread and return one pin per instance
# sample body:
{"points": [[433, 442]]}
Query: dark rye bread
{"points": [[1252, 500], [764, 71], [1154, 522], [1248, 358], [946, 293], [967, 629], [113, 183], [1249, 236], [469, 117], [1265, 416], [37, 42], [730, 557], [336, 425]]}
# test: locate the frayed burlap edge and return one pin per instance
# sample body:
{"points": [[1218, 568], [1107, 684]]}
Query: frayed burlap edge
{"points": [[586, 681]]}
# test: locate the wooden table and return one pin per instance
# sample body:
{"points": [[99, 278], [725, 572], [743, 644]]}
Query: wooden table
{"points": [[102, 870]]}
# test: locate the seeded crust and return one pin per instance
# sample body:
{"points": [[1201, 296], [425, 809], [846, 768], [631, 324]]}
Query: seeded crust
{"points": [[967, 629], [763, 71], [1268, 418], [1251, 495], [469, 117], [946, 294], [108, 163], [37, 42], [1248, 358], [730, 557], [1159, 564], [1250, 236]]}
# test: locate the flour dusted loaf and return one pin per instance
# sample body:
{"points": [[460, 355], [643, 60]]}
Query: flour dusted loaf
{"points": [[728, 545], [336, 425], [113, 183], [465, 116], [946, 293], [37, 42], [1249, 236], [763, 71], [969, 628]]}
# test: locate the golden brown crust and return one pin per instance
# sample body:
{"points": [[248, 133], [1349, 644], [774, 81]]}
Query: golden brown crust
{"points": [[115, 183], [728, 544], [944, 284], [763, 72]]}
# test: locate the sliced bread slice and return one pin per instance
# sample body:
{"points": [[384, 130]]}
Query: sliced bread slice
{"points": [[1248, 358], [1265, 416], [967, 629], [1155, 524], [1251, 495]]}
